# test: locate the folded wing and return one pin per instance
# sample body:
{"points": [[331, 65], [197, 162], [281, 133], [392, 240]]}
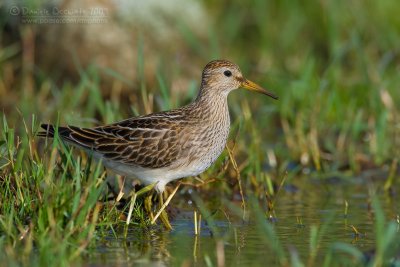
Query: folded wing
{"points": [[144, 142]]}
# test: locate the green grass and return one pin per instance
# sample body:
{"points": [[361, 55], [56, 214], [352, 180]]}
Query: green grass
{"points": [[334, 65]]}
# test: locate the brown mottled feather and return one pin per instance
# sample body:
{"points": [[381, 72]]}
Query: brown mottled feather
{"points": [[146, 142]]}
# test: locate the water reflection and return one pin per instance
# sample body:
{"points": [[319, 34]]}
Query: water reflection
{"points": [[240, 242], [139, 245]]}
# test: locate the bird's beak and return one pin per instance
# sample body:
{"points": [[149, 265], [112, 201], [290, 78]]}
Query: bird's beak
{"points": [[249, 85]]}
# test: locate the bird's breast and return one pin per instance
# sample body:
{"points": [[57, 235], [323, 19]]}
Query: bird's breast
{"points": [[208, 142]]}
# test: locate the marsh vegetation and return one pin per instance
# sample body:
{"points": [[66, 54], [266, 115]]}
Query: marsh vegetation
{"points": [[309, 180]]}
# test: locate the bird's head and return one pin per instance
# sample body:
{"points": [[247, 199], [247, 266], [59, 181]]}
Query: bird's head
{"points": [[225, 76]]}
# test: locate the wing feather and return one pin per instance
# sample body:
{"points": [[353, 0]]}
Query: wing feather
{"points": [[150, 141]]}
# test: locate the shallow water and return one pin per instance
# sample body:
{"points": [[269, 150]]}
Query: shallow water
{"points": [[240, 243]]}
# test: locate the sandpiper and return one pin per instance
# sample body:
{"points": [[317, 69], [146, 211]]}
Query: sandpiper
{"points": [[165, 146]]}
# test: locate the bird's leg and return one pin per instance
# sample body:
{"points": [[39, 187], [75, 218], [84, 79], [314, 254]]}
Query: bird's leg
{"points": [[148, 205], [160, 199], [162, 212], [163, 215]]}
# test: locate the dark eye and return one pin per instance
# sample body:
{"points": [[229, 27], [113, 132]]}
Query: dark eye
{"points": [[228, 73]]}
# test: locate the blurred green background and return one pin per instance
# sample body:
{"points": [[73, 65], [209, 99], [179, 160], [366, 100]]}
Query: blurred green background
{"points": [[334, 64]]}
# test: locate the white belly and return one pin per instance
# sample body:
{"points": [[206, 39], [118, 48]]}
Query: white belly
{"points": [[160, 176]]}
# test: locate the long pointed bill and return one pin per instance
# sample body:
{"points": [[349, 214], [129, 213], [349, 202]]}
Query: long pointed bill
{"points": [[249, 85]]}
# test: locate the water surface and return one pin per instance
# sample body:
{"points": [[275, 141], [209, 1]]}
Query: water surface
{"points": [[302, 204]]}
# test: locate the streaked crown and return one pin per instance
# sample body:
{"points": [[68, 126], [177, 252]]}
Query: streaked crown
{"points": [[221, 76]]}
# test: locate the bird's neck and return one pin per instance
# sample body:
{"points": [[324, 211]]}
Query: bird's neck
{"points": [[212, 104]]}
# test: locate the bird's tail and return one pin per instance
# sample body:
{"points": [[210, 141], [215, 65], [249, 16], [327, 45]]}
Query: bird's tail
{"points": [[81, 137], [50, 131]]}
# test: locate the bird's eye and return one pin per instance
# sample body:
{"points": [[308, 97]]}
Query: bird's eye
{"points": [[228, 73]]}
